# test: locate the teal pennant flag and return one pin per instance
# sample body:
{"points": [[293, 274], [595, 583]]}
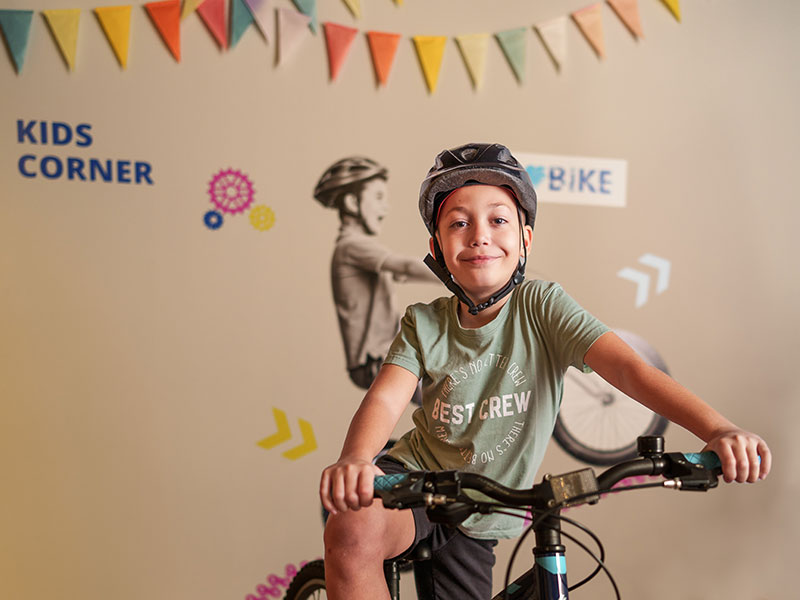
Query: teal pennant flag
{"points": [[241, 19], [308, 8], [514, 42], [16, 27]]}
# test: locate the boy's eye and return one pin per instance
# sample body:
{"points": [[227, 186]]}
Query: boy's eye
{"points": [[500, 220], [458, 224]]}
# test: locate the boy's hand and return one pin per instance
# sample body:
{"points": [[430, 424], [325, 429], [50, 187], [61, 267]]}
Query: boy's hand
{"points": [[348, 485], [739, 452]]}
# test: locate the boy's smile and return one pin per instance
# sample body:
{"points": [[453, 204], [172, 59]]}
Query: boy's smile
{"points": [[478, 230]]}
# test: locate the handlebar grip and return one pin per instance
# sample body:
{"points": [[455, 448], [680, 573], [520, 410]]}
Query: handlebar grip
{"points": [[709, 460], [386, 482]]}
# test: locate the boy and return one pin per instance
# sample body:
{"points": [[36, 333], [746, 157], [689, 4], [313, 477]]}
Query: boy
{"points": [[362, 270], [491, 360]]}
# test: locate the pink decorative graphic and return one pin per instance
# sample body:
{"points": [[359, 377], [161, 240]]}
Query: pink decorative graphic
{"points": [[231, 191], [275, 584]]}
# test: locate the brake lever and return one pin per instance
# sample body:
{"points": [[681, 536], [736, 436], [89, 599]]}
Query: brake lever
{"points": [[692, 472]]}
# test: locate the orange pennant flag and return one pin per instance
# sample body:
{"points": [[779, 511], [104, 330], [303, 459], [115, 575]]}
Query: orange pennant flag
{"points": [[383, 47], [212, 12], [430, 50], [166, 16], [628, 13], [590, 22], [339, 40]]}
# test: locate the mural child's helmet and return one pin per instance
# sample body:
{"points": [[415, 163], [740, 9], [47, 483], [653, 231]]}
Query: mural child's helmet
{"points": [[342, 173], [474, 164]]}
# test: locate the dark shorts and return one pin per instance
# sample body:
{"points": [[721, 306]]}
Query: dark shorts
{"points": [[460, 567]]}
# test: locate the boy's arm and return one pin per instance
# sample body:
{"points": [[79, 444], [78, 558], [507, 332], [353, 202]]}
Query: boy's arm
{"points": [[738, 450], [404, 269], [348, 484]]}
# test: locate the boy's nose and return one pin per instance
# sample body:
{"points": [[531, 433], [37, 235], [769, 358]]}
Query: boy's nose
{"points": [[480, 235]]}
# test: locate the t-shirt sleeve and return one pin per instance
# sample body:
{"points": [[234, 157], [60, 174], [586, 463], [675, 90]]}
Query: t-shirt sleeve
{"points": [[570, 328], [365, 253], [405, 350]]}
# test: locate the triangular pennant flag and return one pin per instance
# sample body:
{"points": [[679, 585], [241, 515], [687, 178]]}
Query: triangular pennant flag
{"points": [[189, 6], [308, 8], [339, 40], [398, 2], [553, 34], [674, 7], [355, 7], [292, 31], [64, 25], [264, 16], [473, 47], [383, 47], [514, 43], [590, 22], [430, 50], [16, 28], [166, 16], [628, 13], [212, 12], [116, 23], [241, 19]]}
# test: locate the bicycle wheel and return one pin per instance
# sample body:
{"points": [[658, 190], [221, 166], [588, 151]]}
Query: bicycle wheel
{"points": [[309, 583], [597, 423]]}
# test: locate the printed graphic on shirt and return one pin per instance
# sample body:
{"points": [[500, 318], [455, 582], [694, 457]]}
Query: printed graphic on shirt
{"points": [[510, 402]]}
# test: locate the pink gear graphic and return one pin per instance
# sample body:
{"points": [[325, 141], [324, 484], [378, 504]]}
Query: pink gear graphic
{"points": [[231, 191]]}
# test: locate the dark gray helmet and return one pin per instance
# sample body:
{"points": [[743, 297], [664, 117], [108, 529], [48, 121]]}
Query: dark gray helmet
{"points": [[346, 172], [489, 164]]}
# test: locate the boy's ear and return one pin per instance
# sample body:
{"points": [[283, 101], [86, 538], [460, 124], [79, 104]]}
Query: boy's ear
{"points": [[430, 243], [527, 238], [351, 204]]}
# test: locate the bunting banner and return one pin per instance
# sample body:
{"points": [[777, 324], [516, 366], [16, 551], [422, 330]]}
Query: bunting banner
{"points": [[514, 44], [339, 40], [212, 13], [308, 8], [553, 34], [166, 17], [116, 24], [228, 20], [264, 16], [674, 7], [241, 19], [628, 13], [16, 28], [292, 32], [63, 24], [590, 22], [383, 48], [473, 47], [430, 51]]}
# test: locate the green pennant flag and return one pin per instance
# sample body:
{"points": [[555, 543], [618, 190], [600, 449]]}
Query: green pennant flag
{"points": [[514, 43], [241, 19], [16, 27]]}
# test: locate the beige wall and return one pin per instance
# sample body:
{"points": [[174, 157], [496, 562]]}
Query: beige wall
{"points": [[141, 354]]}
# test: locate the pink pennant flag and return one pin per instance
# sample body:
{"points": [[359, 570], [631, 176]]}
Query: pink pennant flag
{"points": [[628, 13], [264, 16], [339, 40], [212, 12], [293, 29], [590, 22]]}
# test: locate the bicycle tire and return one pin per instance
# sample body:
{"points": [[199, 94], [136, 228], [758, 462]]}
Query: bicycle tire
{"points": [[309, 583], [605, 432]]}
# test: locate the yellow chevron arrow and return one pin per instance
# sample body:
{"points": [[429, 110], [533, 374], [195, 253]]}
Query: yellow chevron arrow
{"points": [[309, 442], [283, 434]]}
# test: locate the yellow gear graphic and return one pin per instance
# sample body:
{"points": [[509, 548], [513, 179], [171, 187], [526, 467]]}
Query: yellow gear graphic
{"points": [[262, 217]]}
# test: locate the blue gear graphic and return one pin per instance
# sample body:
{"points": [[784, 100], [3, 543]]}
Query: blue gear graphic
{"points": [[213, 219]]}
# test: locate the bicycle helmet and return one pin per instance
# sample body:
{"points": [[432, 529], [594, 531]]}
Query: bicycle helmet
{"points": [[347, 171], [471, 164]]}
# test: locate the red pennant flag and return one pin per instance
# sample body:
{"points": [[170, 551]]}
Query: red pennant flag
{"points": [[339, 40], [212, 12], [166, 16], [383, 47]]}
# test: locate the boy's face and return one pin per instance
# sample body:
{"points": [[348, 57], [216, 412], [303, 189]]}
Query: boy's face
{"points": [[478, 230], [374, 205]]}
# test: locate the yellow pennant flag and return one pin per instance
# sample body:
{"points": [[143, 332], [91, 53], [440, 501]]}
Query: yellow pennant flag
{"points": [[355, 7], [116, 23], [189, 6], [430, 50], [64, 25], [674, 7], [473, 47]]}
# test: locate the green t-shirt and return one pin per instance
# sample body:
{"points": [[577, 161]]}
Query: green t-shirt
{"points": [[491, 394]]}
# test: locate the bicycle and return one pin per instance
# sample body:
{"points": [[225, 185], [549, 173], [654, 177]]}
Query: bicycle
{"points": [[444, 495]]}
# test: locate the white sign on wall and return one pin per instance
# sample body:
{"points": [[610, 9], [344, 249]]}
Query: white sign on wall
{"points": [[577, 179]]}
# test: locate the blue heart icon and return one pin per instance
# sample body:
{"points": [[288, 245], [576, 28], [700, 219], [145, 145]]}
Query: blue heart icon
{"points": [[537, 174]]}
